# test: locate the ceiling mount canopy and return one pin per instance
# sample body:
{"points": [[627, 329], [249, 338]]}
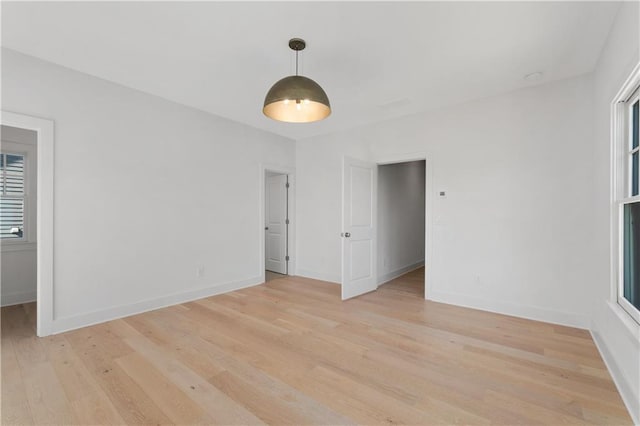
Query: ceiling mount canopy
{"points": [[296, 99]]}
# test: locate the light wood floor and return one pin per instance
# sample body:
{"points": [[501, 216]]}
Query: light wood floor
{"points": [[270, 276], [290, 352]]}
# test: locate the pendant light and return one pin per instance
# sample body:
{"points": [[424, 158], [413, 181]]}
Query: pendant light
{"points": [[296, 99]]}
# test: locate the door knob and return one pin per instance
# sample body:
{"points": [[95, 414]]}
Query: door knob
{"points": [[266, 228], [347, 234]]}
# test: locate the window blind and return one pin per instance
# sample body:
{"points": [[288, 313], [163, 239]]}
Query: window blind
{"points": [[12, 195]]}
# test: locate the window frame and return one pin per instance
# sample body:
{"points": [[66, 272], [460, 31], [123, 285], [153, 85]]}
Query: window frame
{"points": [[620, 299], [26, 225], [622, 182], [635, 97]]}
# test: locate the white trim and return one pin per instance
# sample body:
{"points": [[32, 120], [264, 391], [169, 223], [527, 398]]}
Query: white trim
{"points": [[615, 128], [630, 327], [291, 240], [390, 276], [45, 177], [320, 276], [19, 298], [631, 310], [90, 318], [624, 389], [428, 208], [619, 149], [402, 158], [628, 136], [621, 319], [513, 309], [629, 87]]}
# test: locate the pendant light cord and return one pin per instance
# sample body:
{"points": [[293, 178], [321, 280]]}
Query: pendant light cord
{"points": [[297, 62]]}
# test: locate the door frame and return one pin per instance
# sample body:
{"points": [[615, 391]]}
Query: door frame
{"points": [[277, 184], [290, 171], [428, 208], [44, 213]]}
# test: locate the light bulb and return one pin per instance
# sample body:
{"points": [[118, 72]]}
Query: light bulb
{"points": [[286, 101]]}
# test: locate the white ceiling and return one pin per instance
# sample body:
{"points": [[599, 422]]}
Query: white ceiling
{"points": [[375, 60]]}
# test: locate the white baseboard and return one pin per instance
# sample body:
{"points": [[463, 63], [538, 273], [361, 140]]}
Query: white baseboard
{"points": [[18, 298], [631, 401], [383, 279], [569, 319], [83, 320], [321, 276]]}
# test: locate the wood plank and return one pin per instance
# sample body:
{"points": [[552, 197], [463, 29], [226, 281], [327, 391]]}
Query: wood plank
{"points": [[96, 408], [171, 399], [14, 402], [98, 348], [219, 407], [46, 396], [291, 352], [89, 402]]}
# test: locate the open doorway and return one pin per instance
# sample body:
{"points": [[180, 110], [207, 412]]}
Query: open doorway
{"points": [[361, 272], [18, 226], [276, 225], [401, 195], [26, 224]]}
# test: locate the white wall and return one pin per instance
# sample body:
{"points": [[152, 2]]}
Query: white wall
{"points": [[512, 235], [146, 191], [319, 203], [18, 259], [617, 335], [18, 275], [401, 212]]}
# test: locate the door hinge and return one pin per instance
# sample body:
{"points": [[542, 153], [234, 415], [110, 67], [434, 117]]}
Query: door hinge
{"points": [[286, 222], [286, 258], [286, 185]]}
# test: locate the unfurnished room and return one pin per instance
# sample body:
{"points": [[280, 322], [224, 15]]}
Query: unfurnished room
{"points": [[327, 213]]}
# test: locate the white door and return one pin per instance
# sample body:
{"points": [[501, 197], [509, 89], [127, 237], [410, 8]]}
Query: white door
{"points": [[358, 227], [276, 226]]}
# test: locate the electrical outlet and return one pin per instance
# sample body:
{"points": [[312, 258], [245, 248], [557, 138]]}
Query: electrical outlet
{"points": [[200, 271]]}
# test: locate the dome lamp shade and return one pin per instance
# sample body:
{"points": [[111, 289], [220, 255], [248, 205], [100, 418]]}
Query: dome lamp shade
{"points": [[296, 99]]}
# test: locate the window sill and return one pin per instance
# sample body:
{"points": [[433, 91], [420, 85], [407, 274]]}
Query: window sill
{"points": [[632, 327], [18, 246]]}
